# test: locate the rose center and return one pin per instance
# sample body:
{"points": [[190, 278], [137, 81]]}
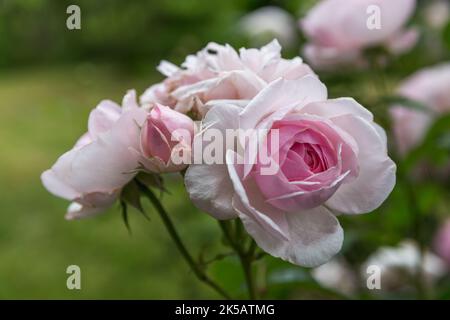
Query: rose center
{"points": [[313, 159]]}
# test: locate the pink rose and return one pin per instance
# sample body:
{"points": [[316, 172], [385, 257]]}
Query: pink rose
{"points": [[166, 139], [431, 87], [218, 73], [442, 242], [93, 172], [338, 30], [330, 158]]}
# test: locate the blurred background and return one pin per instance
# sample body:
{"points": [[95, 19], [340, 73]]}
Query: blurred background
{"points": [[51, 77]]}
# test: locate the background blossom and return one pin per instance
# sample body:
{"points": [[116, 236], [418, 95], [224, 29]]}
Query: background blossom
{"points": [[431, 87], [338, 30]]}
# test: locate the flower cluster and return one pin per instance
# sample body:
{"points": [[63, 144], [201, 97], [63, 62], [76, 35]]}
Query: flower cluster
{"points": [[328, 156]]}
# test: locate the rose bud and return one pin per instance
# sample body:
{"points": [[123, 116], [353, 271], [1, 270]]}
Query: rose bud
{"points": [[166, 138]]}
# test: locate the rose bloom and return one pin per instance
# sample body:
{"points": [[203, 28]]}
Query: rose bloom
{"points": [[338, 30], [166, 139], [93, 172], [331, 158], [431, 87], [442, 242], [219, 72]]}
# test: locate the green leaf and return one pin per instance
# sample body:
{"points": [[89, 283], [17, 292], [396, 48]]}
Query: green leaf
{"points": [[152, 180], [125, 215], [132, 196]]}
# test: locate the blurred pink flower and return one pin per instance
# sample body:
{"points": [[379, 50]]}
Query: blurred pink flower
{"points": [[166, 137], [331, 157], [268, 23], [218, 72], [93, 172], [338, 30], [442, 242], [431, 87], [399, 265], [337, 275]]}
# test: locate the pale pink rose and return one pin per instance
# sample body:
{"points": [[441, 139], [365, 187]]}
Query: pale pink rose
{"points": [[430, 87], [442, 242], [166, 139], [93, 172], [331, 158], [218, 72], [339, 30]]}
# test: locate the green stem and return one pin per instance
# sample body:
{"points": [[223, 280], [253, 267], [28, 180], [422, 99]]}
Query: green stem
{"points": [[246, 258], [201, 275], [252, 248], [247, 266]]}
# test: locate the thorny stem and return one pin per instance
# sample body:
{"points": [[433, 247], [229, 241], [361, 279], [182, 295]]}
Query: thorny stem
{"points": [[198, 271]]}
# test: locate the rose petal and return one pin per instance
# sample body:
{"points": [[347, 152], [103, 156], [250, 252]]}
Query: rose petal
{"points": [[210, 189], [129, 101], [314, 236], [282, 93], [102, 118], [337, 107], [167, 68], [108, 157], [376, 177], [267, 216], [209, 186], [57, 186], [79, 211]]}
